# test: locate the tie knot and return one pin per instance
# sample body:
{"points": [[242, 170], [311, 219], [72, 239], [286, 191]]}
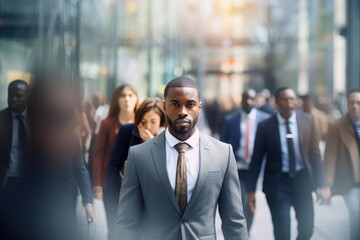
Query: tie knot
{"points": [[181, 147]]}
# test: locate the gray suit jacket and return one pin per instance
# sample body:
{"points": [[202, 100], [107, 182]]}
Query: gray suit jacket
{"points": [[148, 208]]}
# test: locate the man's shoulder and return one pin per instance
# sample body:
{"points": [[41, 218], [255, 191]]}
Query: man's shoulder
{"points": [[262, 114], [233, 115], [208, 140], [5, 115], [147, 145], [269, 119], [4, 111], [341, 121], [304, 116]]}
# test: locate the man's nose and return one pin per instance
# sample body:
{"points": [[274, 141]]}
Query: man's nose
{"points": [[183, 111]]}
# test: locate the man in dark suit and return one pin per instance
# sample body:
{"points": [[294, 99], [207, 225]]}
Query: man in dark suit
{"points": [[13, 119], [290, 142], [174, 183], [13, 150], [342, 160], [239, 130]]}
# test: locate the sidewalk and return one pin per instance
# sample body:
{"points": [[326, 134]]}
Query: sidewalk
{"points": [[331, 222]]}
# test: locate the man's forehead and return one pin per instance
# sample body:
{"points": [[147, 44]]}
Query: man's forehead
{"points": [[183, 91], [288, 92], [18, 87], [355, 96]]}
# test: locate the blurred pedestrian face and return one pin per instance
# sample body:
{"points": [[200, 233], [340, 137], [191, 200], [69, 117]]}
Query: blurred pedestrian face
{"points": [[127, 100], [354, 105], [151, 122], [182, 106], [18, 98], [248, 100], [307, 105], [286, 102]]}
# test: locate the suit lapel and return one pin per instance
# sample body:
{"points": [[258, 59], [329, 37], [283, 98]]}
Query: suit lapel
{"points": [[237, 131], [301, 129], [159, 158], [348, 137], [9, 130], [276, 132], [205, 160]]}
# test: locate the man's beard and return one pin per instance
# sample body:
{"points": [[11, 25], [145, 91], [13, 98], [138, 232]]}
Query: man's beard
{"points": [[181, 130]]}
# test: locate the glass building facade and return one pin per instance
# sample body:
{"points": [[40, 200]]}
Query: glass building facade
{"points": [[226, 45]]}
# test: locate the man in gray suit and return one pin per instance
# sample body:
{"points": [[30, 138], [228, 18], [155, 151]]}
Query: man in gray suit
{"points": [[174, 182]]}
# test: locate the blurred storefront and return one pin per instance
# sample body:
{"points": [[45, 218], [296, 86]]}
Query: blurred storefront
{"points": [[226, 45]]}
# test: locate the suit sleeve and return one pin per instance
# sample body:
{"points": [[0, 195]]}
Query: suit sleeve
{"points": [[230, 204], [257, 158], [131, 204], [117, 160], [83, 180], [315, 157]]}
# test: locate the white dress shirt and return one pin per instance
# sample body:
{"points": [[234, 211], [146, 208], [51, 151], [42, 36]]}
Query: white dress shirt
{"points": [[253, 126], [295, 137], [192, 156]]}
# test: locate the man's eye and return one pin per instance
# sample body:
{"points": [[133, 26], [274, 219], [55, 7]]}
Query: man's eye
{"points": [[191, 105]]}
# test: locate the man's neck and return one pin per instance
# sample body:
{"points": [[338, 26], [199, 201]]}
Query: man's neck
{"points": [[184, 137]]}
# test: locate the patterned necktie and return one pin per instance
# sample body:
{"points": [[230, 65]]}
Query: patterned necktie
{"points": [[291, 151], [181, 176]]}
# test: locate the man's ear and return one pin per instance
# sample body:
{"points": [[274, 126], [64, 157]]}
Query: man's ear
{"points": [[200, 106]]}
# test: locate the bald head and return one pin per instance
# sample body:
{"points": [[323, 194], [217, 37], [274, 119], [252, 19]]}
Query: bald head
{"points": [[182, 82]]}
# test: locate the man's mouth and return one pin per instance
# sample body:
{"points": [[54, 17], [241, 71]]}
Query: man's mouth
{"points": [[182, 122]]}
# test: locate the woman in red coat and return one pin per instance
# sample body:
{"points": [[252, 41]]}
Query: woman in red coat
{"points": [[123, 106]]}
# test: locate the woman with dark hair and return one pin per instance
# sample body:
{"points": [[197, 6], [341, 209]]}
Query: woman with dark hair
{"points": [[123, 106], [149, 120]]}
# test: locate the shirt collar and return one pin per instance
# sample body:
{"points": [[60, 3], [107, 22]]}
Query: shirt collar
{"points": [[193, 141], [355, 122], [292, 118], [251, 114], [23, 114]]}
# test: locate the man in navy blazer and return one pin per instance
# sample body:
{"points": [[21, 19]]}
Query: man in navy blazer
{"points": [[239, 130], [293, 168]]}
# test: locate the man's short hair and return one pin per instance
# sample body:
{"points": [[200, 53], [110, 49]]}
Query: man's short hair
{"points": [[280, 90], [351, 91], [181, 82], [17, 82]]}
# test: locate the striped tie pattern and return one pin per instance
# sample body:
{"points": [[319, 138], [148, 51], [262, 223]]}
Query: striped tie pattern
{"points": [[357, 128]]}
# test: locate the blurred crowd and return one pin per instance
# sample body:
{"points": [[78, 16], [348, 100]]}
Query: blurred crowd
{"points": [[52, 145]]}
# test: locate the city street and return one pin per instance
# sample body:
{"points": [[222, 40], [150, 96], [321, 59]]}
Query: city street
{"points": [[331, 222]]}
